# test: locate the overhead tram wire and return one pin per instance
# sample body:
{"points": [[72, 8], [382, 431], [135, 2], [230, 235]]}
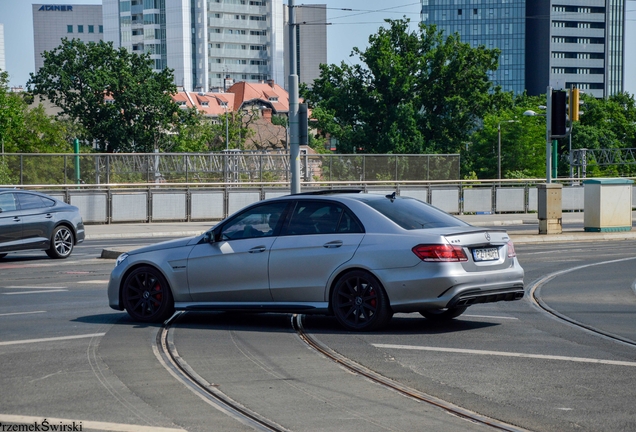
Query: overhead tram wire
{"points": [[360, 12]]}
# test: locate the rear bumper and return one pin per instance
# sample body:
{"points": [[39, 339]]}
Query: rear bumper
{"points": [[412, 290], [476, 297]]}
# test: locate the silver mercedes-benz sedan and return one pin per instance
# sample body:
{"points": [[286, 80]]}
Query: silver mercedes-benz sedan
{"points": [[35, 221], [359, 257]]}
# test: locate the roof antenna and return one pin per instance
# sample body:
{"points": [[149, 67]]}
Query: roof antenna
{"points": [[391, 196]]}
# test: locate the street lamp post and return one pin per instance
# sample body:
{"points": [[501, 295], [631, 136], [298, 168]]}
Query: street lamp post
{"points": [[499, 145], [548, 141], [227, 129]]}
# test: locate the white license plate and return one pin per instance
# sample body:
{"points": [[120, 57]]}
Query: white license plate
{"points": [[489, 254]]}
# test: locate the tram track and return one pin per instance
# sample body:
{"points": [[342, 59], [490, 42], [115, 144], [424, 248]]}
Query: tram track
{"points": [[168, 355], [396, 386], [535, 298]]}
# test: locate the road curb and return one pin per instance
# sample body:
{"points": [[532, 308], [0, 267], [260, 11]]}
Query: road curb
{"points": [[114, 236]]}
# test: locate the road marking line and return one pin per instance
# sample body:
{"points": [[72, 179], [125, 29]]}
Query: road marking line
{"points": [[507, 354], [490, 316], [36, 292], [33, 287], [22, 313], [85, 424], [100, 281], [53, 339]]}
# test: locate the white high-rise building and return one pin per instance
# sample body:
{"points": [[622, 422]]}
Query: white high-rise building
{"points": [[206, 42], [51, 23], [3, 64]]}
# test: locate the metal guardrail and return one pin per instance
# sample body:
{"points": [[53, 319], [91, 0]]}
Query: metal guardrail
{"points": [[134, 202]]}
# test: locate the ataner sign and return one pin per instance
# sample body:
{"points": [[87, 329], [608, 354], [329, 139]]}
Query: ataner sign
{"points": [[63, 8]]}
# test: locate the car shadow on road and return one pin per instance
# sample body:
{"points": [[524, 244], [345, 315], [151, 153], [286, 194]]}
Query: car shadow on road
{"points": [[116, 318], [12, 258], [318, 324]]}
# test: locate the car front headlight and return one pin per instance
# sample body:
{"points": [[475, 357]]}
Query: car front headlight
{"points": [[121, 258]]}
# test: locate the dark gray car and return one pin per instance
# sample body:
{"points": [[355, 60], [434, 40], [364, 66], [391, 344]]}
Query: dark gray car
{"points": [[35, 221]]}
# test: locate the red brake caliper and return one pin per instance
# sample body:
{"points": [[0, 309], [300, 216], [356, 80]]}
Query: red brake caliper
{"points": [[373, 301], [158, 296]]}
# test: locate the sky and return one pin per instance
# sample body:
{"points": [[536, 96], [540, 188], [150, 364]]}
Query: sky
{"points": [[347, 29]]}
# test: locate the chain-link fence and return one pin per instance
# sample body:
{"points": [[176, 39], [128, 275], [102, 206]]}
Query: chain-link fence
{"points": [[225, 167]]}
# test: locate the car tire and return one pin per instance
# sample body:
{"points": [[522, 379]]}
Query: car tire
{"points": [[2, 255], [62, 242], [360, 303], [146, 295], [441, 315]]}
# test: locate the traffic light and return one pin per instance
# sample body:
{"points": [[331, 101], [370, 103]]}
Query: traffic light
{"points": [[303, 120], [574, 104], [559, 113]]}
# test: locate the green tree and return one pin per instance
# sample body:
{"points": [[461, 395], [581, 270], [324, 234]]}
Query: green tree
{"points": [[12, 108], [605, 124], [417, 92], [522, 143], [121, 103]]}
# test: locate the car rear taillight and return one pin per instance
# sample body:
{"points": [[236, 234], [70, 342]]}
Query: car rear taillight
{"points": [[511, 250], [444, 253]]}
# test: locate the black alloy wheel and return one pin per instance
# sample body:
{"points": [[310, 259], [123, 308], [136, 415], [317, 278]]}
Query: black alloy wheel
{"points": [[441, 315], [62, 241], [359, 302], [147, 296]]}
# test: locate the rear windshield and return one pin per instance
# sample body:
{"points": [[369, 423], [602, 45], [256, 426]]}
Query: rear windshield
{"points": [[410, 213]]}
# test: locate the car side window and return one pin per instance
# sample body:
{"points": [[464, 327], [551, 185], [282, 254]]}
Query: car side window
{"points": [[321, 217], [48, 202], [349, 224], [28, 201], [7, 202], [259, 221]]}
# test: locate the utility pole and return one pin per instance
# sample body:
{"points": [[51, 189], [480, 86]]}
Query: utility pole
{"points": [[548, 136], [294, 145]]}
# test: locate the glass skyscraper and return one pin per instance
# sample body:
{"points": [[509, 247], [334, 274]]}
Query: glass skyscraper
{"points": [[498, 24], [558, 43]]}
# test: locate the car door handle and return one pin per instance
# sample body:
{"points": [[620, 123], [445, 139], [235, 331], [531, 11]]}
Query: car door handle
{"points": [[16, 219], [48, 216], [258, 249], [333, 244]]}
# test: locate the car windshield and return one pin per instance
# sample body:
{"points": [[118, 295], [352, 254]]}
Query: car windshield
{"points": [[410, 213]]}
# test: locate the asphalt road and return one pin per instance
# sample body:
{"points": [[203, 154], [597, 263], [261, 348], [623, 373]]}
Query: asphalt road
{"points": [[65, 355]]}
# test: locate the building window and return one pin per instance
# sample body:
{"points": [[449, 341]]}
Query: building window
{"points": [[91, 29], [69, 29], [80, 28], [101, 29], [459, 12]]}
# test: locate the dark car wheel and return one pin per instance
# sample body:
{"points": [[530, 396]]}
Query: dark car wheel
{"points": [[360, 303], [62, 241], [440, 315], [147, 296]]}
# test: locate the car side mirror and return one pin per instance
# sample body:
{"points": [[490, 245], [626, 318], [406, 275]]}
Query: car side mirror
{"points": [[208, 237], [0, 209]]}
